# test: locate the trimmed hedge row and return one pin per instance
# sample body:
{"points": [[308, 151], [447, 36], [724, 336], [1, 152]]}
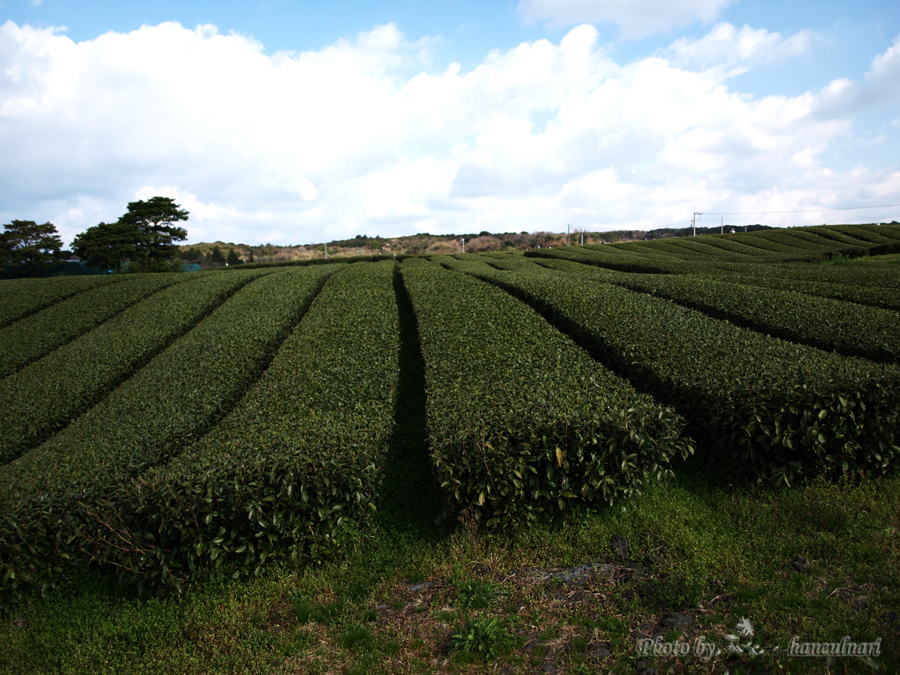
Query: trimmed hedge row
{"points": [[873, 296], [779, 246], [832, 235], [681, 247], [857, 274], [799, 241], [865, 233], [51, 493], [45, 396], [798, 278], [21, 297], [505, 261], [712, 247], [890, 230], [290, 467], [765, 246], [795, 244], [333, 260], [39, 334], [520, 420], [621, 261], [887, 230], [825, 323], [780, 410]]}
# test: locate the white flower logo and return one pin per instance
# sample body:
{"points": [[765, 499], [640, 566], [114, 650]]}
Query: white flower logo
{"points": [[745, 628]]}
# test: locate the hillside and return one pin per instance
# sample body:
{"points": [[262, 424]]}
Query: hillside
{"points": [[434, 244]]}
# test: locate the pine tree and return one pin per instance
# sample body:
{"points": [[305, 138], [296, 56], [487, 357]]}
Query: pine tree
{"points": [[33, 246]]}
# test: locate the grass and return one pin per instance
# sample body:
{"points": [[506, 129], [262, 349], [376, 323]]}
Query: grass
{"points": [[412, 596], [866, 259], [455, 602]]}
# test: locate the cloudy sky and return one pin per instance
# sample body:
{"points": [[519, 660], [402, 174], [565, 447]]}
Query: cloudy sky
{"points": [[293, 122]]}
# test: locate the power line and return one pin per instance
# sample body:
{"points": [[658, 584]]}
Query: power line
{"points": [[763, 213], [690, 223]]}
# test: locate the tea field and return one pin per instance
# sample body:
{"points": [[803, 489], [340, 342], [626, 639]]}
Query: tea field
{"points": [[347, 446]]}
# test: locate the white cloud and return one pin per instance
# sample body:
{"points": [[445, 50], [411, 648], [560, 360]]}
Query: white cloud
{"points": [[635, 18], [726, 46], [880, 87], [358, 138]]}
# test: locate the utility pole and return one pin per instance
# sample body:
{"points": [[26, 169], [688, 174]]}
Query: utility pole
{"points": [[722, 228], [326, 250], [463, 243], [568, 227]]}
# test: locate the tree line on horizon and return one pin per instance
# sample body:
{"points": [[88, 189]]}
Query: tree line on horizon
{"points": [[144, 237], [144, 240]]}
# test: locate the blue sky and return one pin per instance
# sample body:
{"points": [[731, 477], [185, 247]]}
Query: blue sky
{"points": [[297, 122]]}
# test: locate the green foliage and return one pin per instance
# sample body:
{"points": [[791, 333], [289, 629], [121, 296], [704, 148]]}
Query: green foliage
{"points": [[306, 610], [836, 259], [681, 587], [483, 636], [46, 395], [825, 323], [520, 420], [22, 297], [37, 335], [155, 266], [504, 261], [867, 233], [197, 462], [622, 260], [289, 469], [53, 497], [153, 221], [686, 255], [144, 235], [233, 258], [746, 537], [357, 638], [216, 256], [759, 404], [856, 291], [33, 246], [107, 245], [474, 593]]}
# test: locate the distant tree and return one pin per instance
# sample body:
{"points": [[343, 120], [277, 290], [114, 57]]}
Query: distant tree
{"points": [[153, 221], [144, 235], [233, 258], [24, 242], [217, 256], [251, 255], [193, 254], [107, 245]]}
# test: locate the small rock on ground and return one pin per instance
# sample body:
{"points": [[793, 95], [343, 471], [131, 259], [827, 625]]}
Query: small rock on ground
{"points": [[800, 563], [675, 620]]}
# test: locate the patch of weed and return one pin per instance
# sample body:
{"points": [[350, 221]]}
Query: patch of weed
{"points": [[482, 636], [356, 638], [305, 610]]}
